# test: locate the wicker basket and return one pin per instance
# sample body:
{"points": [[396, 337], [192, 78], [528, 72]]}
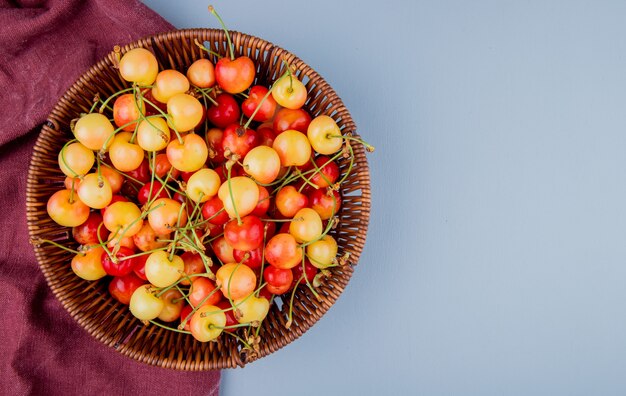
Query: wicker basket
{"points": [[91, 304]]}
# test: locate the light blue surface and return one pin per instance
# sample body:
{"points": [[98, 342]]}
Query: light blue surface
{"points": [[495, 261]]}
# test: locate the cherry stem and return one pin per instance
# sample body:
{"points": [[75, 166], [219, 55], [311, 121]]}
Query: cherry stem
{"points": [[230, 43], [212, 326], [205, 95], [293, 294], [204, 48], [184, 322], [63, 157], [306, 278], [368, 146], [104, 104], [71, 201], [38, 241], [232, 198], [144, 253], [185, 296], [169, 328], [267, 94], [166, 116]]}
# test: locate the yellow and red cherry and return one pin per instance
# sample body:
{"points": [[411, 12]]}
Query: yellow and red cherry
{"points": [[87, 233], [76, 160], [188, 156], [262, 163], [201, 73], [241, 197], [124, 155], [278, 279], [235, 76], [173, 302], [223, 251], [87, 265], [163, 167], [144, 304], [292, 147], [161, 271], [289, 201], [126, 111], [153, 134], [193, 265], [185, 112], [123, 218], [114, 199], [322, 252], [207, 323], [289, 92], [168, 83], [147, 239], [235, 280], [200, 289], [139, 65], [251, 103], [307, 225], [203, 185], [252, 309], [93, 130], [95, 191], [286, 119], [282, 251], [247, 235], [165, 215], [239, 140], [115, 179], [214, 137], [328, 174], [324, 135], [326, 204]]}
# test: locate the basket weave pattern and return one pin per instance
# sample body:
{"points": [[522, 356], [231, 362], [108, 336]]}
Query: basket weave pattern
{"points": [[90, 303]]}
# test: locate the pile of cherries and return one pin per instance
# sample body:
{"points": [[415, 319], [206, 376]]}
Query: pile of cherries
{"points": [[201, 195]]}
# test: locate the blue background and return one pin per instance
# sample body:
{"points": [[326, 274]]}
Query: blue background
{"points": [[495, 260]]}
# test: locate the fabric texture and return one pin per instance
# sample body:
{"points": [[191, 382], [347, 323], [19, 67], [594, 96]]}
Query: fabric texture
{"points": [[45, 47]]}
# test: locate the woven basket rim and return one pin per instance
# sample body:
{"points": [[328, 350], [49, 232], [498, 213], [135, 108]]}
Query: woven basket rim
{"points": [[33, 202]]}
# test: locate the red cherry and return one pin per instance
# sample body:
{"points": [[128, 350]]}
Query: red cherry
{"points": [[254, 259], [123, 287], [230, 314], [143, 196], [267, 109], [211, 210], [310, 270], [264, 202], [87, 233], [123, 266], [226, 111], [142, 173]]}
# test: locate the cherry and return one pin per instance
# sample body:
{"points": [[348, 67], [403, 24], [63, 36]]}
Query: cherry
{"points": [[267, 108], [286, 119], [123, 287], [123, 266], [158, 191], [87, 233], [239, 140], [246, 235], [225, 112]]}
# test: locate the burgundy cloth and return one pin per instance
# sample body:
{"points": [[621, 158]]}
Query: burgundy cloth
{"points": [[44, 47]]}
